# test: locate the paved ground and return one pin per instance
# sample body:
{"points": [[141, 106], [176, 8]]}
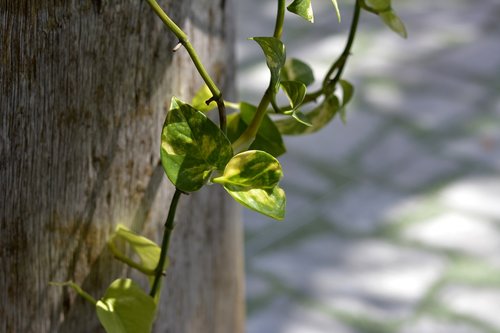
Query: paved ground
{"points": [[393, 220]]}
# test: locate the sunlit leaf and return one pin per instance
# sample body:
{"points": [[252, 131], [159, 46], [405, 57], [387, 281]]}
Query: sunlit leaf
{"points": [[192, 147], [274, 51], [318, 118], [270, 202], [335, 4], [126, 308], [251, 169], [268, 137], [199, 100], [302, 8], [394, 22], [296, 70], [301, 118], [147, 250]]}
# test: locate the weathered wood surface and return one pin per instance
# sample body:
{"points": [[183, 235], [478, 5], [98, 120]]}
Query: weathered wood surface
{"points": [[84, 87]]}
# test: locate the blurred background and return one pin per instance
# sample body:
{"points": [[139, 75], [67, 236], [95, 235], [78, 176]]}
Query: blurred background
{"points": [[393, 219]]}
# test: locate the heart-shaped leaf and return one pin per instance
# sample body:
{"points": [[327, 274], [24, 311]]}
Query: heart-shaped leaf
{"points": [[192, 147], [268, 137], [126, 308], [274, 51], [270, 202], [302, 8], [318, 118], [251, 169], [147, 250], [297, 70]]}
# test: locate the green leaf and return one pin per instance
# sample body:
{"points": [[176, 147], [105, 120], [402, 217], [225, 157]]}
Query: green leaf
{"points": [[379, 5], [347, 93], [335, 4], [274, 51], [302, 8], [296, 70], [192, 147], [268, 137], [394, 22], [126, 308], [318, 117], [199, 100], [270, 202], [147, 250], [295, 91], [251, 169]]}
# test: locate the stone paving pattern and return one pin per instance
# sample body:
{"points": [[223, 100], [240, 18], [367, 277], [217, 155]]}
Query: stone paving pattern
{"points": [[393, 220]]}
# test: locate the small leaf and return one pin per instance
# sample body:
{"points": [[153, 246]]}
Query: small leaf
{"points": [[318, 118], [268, 137], [274, 51], [295, 91], [251, 169], [379, 5], [147, 250], [394, 22], [199, 100], [302, 8], [347, 93], [347, 90], [296, 70], [335, 4], [192, 147], [270, 202], [126, 308]]}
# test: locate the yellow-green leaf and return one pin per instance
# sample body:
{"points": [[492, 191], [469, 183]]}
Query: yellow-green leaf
{"points": [[147, 250], [126, 308], [302, 8], [192, 147], [270, 202], [251, 169], [394, 22], [335, 4]]}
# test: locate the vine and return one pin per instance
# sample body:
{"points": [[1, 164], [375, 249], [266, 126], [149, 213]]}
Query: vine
{"points": [[240, 154]]}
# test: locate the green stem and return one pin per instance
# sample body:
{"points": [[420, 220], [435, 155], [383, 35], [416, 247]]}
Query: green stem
{"points": [[247, 137], [339, 65], [123, 258], [169, 227], [280, 19], [183, 39]]}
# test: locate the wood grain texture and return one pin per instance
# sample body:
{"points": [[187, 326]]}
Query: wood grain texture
{"points": [[84, 88]]}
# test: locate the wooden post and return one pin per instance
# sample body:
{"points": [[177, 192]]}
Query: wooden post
{"points": [[84, 89]]}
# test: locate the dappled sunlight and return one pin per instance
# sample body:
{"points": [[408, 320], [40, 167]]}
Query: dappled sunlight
{"points": [[393, 219]]}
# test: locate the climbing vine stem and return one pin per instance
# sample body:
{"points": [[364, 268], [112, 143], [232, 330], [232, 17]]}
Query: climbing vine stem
{"points": [[184, 41], [339, 65], [169, 227]]}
